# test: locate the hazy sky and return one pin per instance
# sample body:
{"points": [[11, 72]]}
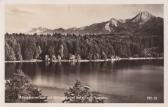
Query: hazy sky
{"points": [[22, 18]]}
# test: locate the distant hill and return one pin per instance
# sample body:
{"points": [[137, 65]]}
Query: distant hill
{"points": [[144, 23]]}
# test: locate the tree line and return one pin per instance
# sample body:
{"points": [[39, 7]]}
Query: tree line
{"points": [[19, 46]]}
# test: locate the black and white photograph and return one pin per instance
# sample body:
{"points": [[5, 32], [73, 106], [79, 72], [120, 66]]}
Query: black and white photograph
{"points": [[84, 53]]}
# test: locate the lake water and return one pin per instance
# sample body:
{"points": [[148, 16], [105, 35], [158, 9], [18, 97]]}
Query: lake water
{"points": [[124, 81]]}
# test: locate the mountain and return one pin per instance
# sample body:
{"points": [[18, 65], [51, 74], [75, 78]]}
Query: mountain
{"points": [[143, 22], [142, 17], [41, 30], [96, 28], [112, 24]]}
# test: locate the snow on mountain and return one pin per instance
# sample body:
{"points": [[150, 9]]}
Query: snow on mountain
{"points": [[114, 22], [39, 30], [111, 24], [107, 27], [142, 17]]}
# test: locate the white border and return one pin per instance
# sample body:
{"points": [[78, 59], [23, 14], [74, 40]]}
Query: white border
{"points": [[88, 1], [2, 3], [2, 22]]}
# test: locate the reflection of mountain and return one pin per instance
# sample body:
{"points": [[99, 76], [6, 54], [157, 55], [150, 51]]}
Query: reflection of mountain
{"points": [[143, 22]]}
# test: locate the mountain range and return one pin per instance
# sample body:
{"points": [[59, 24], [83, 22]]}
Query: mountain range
{"points": [[143, 23]]}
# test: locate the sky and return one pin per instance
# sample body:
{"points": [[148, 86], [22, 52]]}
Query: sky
{"points": [[24, 17]]}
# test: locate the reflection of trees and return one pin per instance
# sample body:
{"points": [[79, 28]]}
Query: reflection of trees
{"points": [[47, 63], [61, 70], [74, 70], [104, 66], [52, 67], [38, 72], [113, 63], [59, 63], [77, 70], [9, 69], [72, 63], [47, 68], [96, 67], [19, 66], [60, 67], [90, 67]]}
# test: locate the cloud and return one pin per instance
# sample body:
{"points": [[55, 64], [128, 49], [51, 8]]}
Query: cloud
{"points": [[19, 11]]}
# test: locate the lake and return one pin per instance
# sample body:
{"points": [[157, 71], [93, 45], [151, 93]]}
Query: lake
{"points": [[124, 81]]}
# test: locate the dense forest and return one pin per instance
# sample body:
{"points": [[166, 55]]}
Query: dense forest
{"points": [[102, 46]]}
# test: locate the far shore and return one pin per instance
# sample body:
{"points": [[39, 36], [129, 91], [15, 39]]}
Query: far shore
{"points": [[86, 60]]}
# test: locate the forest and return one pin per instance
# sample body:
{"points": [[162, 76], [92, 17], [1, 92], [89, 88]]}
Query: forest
{"points": [[19, 46]]}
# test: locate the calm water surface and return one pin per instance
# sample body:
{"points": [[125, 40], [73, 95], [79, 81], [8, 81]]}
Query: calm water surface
{"points": [[122, 81]]}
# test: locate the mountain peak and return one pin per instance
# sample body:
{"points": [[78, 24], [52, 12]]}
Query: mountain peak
{"points": [[111, 24], [145, 14], [39, 30], [114, 21], [142, 17]]}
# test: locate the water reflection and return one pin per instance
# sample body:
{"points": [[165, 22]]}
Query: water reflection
{"points": [[126, 78]]}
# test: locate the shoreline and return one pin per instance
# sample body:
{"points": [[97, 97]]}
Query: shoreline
{"points": [[85, 60]]}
